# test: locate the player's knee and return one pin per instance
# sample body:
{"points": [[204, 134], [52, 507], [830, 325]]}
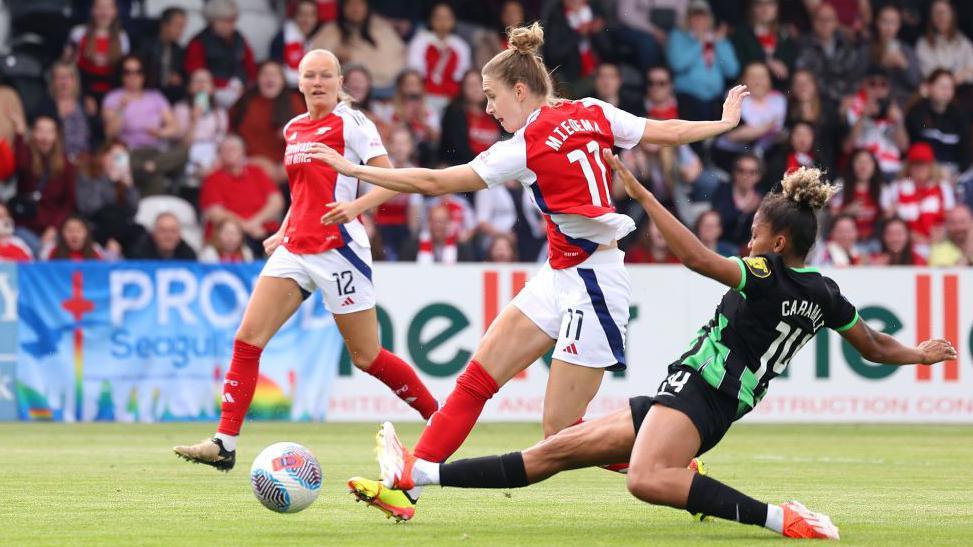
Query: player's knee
{"points": [[644, 485], [248, 334], [362, 359]]}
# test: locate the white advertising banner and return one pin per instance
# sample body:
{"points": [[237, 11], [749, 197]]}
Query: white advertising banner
{"points": [[433, 317]]}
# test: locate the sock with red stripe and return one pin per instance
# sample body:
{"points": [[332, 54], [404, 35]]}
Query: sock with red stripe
{"points": [[404, 382], [452, 423], [238, 388]]}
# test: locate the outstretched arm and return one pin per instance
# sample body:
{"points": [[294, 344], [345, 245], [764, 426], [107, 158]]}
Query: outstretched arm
{"points": [[676, 132], [341, 212], [879, 347], [682, 242], [413, 180]]}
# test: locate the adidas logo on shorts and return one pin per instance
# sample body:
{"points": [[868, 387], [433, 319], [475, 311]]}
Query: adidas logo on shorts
{"points": [[570, 348], [348, 301]]}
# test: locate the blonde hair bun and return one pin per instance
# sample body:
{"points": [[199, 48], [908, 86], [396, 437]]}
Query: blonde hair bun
{"points": [[526, 40], [807, 187]]}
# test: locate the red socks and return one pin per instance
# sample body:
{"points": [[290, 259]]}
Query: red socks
{"points": [[238, 387], [450, 426], [404, 382]]}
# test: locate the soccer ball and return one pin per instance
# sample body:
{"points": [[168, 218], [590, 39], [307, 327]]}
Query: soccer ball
{"points": [[286, 477]]}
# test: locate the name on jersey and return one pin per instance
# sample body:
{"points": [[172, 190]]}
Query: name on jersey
{"points": [[297, 153], [567, 128], [803, 308]]}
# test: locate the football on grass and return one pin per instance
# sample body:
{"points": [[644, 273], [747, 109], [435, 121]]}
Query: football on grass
{"points": [[286, 477]]}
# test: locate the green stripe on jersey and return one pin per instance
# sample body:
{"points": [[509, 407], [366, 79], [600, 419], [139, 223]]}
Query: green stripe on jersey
{"points": [[849, 324], [748, 383], [710, 358], [743, 274]]}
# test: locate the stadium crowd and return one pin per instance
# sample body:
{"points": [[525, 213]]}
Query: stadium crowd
{"points": [[153, 128]]}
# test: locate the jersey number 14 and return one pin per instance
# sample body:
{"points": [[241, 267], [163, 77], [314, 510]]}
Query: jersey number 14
{"points": [[580, 157]]}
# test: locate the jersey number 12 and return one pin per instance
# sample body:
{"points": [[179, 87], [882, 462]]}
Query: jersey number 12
{"points": [[578, 156]]}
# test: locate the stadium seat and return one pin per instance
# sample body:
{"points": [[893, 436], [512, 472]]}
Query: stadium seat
{"points": [[259, 29], [152, 206]]}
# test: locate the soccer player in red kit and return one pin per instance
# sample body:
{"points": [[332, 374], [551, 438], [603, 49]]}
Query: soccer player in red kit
{"points": [[579, 301], [306, 255]]}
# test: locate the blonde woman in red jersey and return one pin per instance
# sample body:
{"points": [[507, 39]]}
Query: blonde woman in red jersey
{"points": [[306, 255], [578, 302]]}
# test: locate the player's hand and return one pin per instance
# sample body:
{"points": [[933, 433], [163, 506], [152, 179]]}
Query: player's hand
{"points": [[633, 187], [733, 104], [272, 242], [934, 351], [329, 156], [341, 212]]}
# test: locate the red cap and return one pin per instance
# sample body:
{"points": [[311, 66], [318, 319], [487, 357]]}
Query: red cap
{"points": [[920, 152]]}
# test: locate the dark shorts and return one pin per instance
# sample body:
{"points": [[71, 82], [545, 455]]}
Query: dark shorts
{"points": [[684, 390]]}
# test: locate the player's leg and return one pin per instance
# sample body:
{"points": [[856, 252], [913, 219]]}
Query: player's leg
{"points": [[667, 441], [360, 332], [273, 301], [570, 388]]}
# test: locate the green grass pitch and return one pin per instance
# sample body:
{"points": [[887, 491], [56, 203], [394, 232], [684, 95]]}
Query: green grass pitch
{"points": [[121, 484]]}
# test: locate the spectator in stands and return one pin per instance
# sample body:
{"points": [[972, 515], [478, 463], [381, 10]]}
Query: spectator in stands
{"points": [[766, 41], [806, 104], [761, 120], [164, 55], [78, 117], [496, 213], [396, 217], [438, 242], [921, 197], [896, 246], [860, 195], [649, 247], [107, 196], [12, 247], [608, 88], [327, 10], [490, 41], [440, 56], [409, 108], [97, 47], [841, 248], [957, 248], [660, 97], [737, 201], [799, 150], [467, 129], [11, 113], [575, 41], [939, 121], [709, 229], [462, 221], [644, 26], [502, 249], [361, 37], [290, 44], [165, 241], [142, 119], [964, 188], [221, 49], [260, 115], [897, 58], [877, 123], [829, 55], [45, 182], [702, 60], [241, 190], [227, 243], [74, 242], [203, 124], [944, 46]]}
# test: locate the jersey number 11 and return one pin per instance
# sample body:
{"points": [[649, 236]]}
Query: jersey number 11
{"points": [[578, 156]]}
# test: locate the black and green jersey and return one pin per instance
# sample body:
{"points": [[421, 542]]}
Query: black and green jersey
{"points": [[760, 325]]}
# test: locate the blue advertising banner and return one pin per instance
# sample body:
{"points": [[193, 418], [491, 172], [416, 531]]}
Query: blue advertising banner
{"points": [[151, 341], [8, 340]]}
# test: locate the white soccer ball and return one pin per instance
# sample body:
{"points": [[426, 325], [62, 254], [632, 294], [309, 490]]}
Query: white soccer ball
{"points": [[286, 477]]}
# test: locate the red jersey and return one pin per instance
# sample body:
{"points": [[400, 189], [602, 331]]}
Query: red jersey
{"points": [[557, 157], [313, 184], [868, 210], [13, 249], [441, 62], [243, 195], [921, 207], [98, 66]]}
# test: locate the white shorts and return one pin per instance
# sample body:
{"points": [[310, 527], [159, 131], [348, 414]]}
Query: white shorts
{"points": [[344, 275], [584, 308]]}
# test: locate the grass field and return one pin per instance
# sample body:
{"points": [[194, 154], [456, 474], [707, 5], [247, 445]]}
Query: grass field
{"points": [[120, 484]]}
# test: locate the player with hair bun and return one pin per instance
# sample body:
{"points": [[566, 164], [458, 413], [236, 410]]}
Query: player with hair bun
{"points": [[579, 301], [304, 256], [775, 305]]}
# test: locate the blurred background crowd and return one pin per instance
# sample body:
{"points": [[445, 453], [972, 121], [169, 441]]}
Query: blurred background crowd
{"points": [[152, 128]]}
